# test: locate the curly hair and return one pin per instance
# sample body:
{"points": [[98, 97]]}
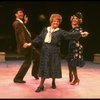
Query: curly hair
{"points": [[80, 19], [57, 16]]}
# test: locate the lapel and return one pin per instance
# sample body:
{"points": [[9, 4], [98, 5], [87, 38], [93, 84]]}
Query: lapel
{"points": [[24, 26]]}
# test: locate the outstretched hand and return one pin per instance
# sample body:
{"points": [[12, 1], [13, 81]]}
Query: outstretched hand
{"points": [[84, 34]]}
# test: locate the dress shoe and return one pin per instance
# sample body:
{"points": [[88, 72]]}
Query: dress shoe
{"points": [[53, 85], [36, 77], [39, 89], [19, 81], [75, 82]]}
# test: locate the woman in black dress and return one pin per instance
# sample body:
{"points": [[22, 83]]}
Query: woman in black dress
{"points": [[75, 49]]}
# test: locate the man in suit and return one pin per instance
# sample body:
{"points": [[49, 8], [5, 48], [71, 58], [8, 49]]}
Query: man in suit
{"points": [[23, 39]]}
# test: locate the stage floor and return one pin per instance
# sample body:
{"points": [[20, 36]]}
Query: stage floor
{"points": [[89, 86]]}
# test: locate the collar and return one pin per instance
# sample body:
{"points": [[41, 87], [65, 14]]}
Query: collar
{"points": [[52, 30], [19, 20]]}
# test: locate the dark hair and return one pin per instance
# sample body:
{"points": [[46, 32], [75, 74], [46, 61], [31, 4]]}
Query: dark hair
{"points": [[19, 9]]}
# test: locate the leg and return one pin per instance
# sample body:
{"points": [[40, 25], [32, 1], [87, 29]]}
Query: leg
{"points": [[70, 73], [75, 73], [41, 86], [23, 70], [53, 83], [35, 68], [76, 80]]}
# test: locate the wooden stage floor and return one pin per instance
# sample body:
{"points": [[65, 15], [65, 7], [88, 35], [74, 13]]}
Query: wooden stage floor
{"points": [[89, 86]]}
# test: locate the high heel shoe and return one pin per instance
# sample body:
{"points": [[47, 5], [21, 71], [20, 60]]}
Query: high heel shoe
{"points": [[39, 89], [53, 85], [75, 82]]}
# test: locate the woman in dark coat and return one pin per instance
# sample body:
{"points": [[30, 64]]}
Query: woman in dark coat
{"points": [[75, 50], [50, 40]]}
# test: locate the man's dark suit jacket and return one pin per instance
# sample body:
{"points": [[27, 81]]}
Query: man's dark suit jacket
{"points": [[22, 36]]}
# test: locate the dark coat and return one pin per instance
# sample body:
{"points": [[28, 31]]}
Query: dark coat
{"points": [[50, 61]]}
